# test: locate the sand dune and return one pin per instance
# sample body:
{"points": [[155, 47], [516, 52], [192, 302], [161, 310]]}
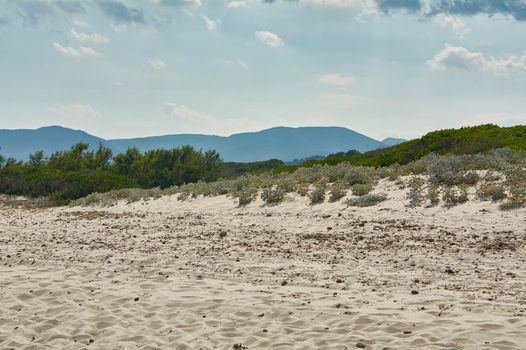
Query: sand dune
{"points": [[204, 274]]}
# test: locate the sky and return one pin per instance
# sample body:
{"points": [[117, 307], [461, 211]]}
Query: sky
{"points": [[385, 68]]}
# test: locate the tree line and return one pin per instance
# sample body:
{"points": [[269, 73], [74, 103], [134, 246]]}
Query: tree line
{"points": [[77, 172]]}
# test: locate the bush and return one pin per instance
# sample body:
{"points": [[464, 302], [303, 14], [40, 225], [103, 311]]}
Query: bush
{"points": [[272, 195], [366, 200], [489, 191], [302, 190], [359, 175], [415, 195], [361, 189], [245, 197], [433, 195], [337, 191], [317, 195], [453, 196], [511, 205]]}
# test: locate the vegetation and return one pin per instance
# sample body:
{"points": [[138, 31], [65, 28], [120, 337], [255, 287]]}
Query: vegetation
{"points": [[429, 179], [78, 172], [467, 140]]}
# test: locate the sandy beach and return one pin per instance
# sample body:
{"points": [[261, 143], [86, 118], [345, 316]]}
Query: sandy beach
{"points": [[206, 274]]}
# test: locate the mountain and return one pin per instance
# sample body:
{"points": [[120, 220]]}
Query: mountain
{"points": [[392, 141], [282, 143], [20, 143]]}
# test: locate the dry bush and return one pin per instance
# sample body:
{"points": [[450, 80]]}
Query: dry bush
{"points": [[361, 189], [366, 200], [272, 195], [317, 195]]}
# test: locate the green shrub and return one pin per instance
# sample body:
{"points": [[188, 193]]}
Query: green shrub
{"points": [[359, 175], [511, 205], [416, 195], [490, 191], [361, 189], [302, 190], [245, 197], [453, 196], [272, 195], [433, 195], [337, 191], [317, 195], [366, 200]]}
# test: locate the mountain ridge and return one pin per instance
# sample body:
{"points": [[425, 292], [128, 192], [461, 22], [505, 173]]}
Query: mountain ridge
{"points": [[280, 142]]}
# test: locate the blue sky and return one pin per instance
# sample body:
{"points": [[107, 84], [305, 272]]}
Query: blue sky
{"points": [[146, 67]]}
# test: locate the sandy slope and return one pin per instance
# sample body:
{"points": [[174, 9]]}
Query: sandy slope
{"points": [[204, 274]]}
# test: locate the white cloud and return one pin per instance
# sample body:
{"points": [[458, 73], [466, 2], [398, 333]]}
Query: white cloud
{"points": [[364, 4], [236, 4], [72, 52], [94, 38], [78, 111], [157, 64], [269, 38], [453, 23], [211, 24], [336, 79], [184, 113], [235, 63], [78, 23], [461, 58]]}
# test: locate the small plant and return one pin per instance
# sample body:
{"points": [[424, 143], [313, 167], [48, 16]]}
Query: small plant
{"points": [[182, 196], [302, 190], [416, 195], [489, 191], [511, 205], [317, 195], [366, 200], [469, 178], [359, 175], [272, 195], [361, 189], [433, 195], [245, 197], [337, 192], [453, 196]]}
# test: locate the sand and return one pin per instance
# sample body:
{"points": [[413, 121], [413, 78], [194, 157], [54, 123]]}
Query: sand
{"points": [[205, 274]]}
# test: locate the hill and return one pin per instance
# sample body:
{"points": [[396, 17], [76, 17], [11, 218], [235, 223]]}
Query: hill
{"points": [[466, 140], [276, 143]]}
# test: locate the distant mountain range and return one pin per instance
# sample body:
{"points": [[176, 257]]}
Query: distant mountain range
{"points": [[276, 143]]}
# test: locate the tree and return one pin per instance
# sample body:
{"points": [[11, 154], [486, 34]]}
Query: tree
{"points": [[36, 159]]}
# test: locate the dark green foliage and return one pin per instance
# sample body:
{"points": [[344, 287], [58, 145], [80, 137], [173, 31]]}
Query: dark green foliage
{"points": [[232, 169], [467, 140], [78, 172]]}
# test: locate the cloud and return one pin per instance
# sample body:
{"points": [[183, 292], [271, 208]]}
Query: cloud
{"points": [[388, 6], [32, 10], [78, 111], [195, 3], [269, 38], [514, 8], [184, 113], [453, 23], [157, 64], [336, 79], [430, 8], [211, 25], [121, 13], [72, 52], [236, 4], [235, 63], [461, 58], [94, 38]]}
